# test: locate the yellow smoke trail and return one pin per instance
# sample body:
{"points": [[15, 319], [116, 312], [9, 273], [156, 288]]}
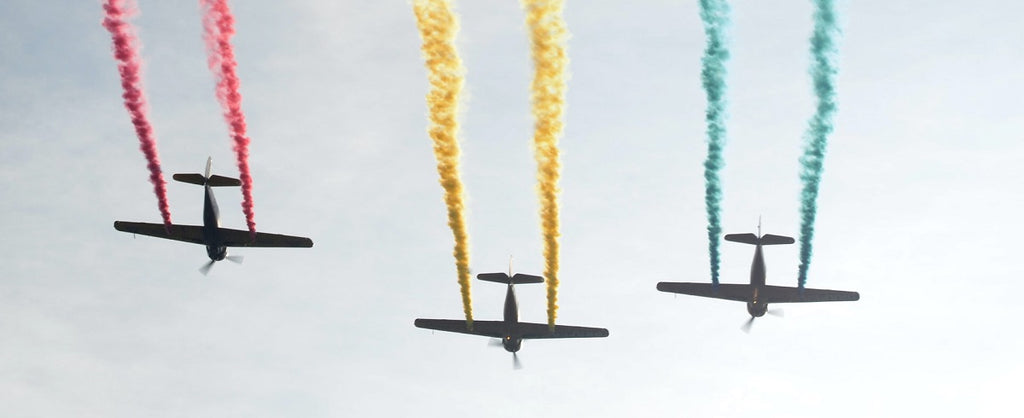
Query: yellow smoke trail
{"points": [[438, 25], [548, 36]]}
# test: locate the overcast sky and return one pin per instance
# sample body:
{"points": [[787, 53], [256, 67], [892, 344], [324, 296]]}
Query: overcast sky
{"points": [[920, 206]]}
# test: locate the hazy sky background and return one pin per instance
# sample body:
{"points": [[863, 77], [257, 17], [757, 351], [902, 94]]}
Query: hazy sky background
{"points": [[920, 207]]}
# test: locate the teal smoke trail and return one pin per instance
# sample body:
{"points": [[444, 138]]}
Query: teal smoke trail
{"points": [[823, 71], [715, 15]]}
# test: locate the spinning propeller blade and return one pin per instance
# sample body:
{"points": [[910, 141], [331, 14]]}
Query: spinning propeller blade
{"points": [[746, 326], [205, 269]]}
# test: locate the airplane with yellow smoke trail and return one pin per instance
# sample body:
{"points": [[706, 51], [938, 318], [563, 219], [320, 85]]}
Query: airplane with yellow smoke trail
{"points": [[757, 294], [510, 331]]}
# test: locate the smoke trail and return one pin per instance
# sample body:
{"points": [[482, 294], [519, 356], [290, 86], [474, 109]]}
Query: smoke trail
{"points": [[129, 65], [218, 27], [715, 15], [823, 70], [438, 25], [548, 35]]}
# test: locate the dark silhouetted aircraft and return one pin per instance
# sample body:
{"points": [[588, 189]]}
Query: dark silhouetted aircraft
{"points": [[215, 238], [510, 331], [757, 294]]}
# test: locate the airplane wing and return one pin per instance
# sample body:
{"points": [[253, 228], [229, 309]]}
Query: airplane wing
{"points": [[728, 291], [495, 329], [779, 294], [237, 238], [186, 233], [541, 331]]}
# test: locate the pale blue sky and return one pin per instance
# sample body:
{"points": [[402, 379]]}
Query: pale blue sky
{"points": [[920, 206]]}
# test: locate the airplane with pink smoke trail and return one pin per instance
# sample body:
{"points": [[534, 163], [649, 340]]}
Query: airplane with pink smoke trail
{"points": [[210, 234], [757, 294]]}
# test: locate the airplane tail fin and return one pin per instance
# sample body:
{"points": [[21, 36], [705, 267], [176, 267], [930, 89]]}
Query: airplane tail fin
{"points": [[766, 239], [518, 278], [207, 179]]}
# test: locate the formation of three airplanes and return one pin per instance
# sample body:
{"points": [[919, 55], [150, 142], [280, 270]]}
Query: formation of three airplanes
{"points": [[510, 331]]}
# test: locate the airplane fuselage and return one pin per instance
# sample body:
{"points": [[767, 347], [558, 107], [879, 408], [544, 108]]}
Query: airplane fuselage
{"points": [[511, 342], [757, 280], [211, 227]]}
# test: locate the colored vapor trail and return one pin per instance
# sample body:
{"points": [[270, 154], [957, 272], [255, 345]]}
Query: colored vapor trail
{"points": [[218, 27], [823, 71], [129, 65], [548, 39], [715, 15], [438, 26]]}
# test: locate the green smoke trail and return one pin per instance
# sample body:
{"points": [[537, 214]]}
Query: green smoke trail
{"points": [[715, 15], [823, 71]]}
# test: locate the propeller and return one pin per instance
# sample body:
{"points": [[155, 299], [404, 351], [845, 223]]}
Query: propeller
{"points": [[205, 269], [746, 325], [496, 342], [750, 322]]}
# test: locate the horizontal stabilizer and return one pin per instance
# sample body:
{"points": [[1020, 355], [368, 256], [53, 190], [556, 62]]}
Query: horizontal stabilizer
{"points": [[518, 278], [744, 238], [221, 181], [193, 178], [213, 181], [769, 239], [766, 239]]}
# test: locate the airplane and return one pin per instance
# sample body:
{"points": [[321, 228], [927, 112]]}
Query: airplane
{"points": [[210, 234], [510, 331], [757, 294]]}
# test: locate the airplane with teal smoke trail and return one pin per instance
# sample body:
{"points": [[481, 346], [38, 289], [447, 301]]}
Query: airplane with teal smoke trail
{"points": [[758, 295]]}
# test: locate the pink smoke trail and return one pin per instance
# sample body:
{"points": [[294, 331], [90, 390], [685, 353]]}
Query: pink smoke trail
{"points": [[129, 65], [218, 27]]}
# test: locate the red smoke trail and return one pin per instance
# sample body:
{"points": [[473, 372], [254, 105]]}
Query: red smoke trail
{"points": [[129, 65], [218, 27]]}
